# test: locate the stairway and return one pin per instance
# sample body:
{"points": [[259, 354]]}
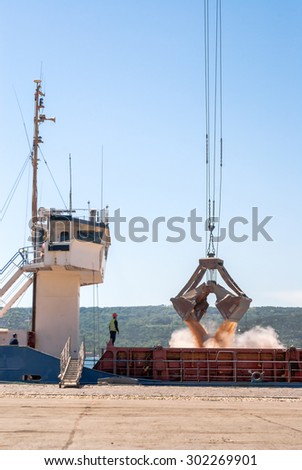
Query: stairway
{"points": [[71, 377], [71, 369]]}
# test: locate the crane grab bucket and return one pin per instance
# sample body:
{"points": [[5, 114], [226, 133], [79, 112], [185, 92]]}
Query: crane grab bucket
{"points": [[191, 302]]}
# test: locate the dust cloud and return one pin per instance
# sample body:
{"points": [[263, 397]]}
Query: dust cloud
{"points": [[258, 337], [197, 336]]}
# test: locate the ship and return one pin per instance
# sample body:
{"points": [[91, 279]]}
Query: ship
{"points": [[69, 251]]}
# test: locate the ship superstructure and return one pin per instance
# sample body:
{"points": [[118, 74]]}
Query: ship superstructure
{"points": [[68, 251]]}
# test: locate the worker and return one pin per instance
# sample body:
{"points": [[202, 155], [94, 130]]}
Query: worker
{"points": [[113, 328], [14, 341]]}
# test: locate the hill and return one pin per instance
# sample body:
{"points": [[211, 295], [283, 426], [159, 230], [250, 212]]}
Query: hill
{"points": [[148, 326]]}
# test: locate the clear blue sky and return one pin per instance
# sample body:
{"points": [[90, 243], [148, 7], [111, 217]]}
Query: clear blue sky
{"points": [[128, 75]]}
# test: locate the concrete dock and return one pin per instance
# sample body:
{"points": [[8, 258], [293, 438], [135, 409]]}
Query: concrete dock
{"points": [[136, 417]]}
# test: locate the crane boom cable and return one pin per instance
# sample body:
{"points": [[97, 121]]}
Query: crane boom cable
{"points": [[221, 123], [215, 112], [207, 111], [213, 105]]}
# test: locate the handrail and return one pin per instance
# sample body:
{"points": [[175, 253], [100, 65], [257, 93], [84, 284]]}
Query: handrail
{"points": [[81, 360], [12, 260], [32, 255], [27, 254], [65, 359]]}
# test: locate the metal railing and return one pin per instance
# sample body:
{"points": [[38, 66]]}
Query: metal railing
{"points": [[32, 255], [65, 359], [81, 360], [206, 370], [13, 258]]}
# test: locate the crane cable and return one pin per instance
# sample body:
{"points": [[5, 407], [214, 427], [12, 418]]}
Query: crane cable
{"points": [[212, 140]]}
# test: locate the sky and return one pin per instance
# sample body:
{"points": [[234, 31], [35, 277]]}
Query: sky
{"points": [[125, 78]]}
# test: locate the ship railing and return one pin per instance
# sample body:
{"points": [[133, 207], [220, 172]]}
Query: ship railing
{"points": [[65, 358], [24, 256], [32, 255], [81, 360], [14, 281], [232, 369], [10, 269], [12, 263]]}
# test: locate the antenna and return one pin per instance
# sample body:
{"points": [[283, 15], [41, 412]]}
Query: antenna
{"points": [[102, 186], [41, 71], [70, 185]]}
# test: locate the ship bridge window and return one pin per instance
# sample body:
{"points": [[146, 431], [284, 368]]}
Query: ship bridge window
{"points": [[64, 236], [89, 236]]}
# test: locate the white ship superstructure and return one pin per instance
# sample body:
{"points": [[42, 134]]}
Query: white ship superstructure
{"points": [[68, 251]]}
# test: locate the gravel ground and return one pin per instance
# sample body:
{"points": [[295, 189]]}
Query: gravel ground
{"points": [[153, 392]]}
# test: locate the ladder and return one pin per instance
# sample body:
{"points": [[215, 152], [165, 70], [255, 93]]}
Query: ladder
{"points": [[71, 369], [71, 376]]}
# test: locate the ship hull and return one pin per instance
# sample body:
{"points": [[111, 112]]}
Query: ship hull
{"points": [[27, 365], [163, 366], [202, 366]]}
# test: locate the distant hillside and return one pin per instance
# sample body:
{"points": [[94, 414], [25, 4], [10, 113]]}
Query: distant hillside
{"points": [[153, 325]]}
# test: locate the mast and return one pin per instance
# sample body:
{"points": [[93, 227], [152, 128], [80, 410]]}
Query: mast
{"points": [[70, 260], [38, 118], [38, 105]]}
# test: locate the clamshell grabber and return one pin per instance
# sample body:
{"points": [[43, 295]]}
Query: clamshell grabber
{"points": [[191, 302]]}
